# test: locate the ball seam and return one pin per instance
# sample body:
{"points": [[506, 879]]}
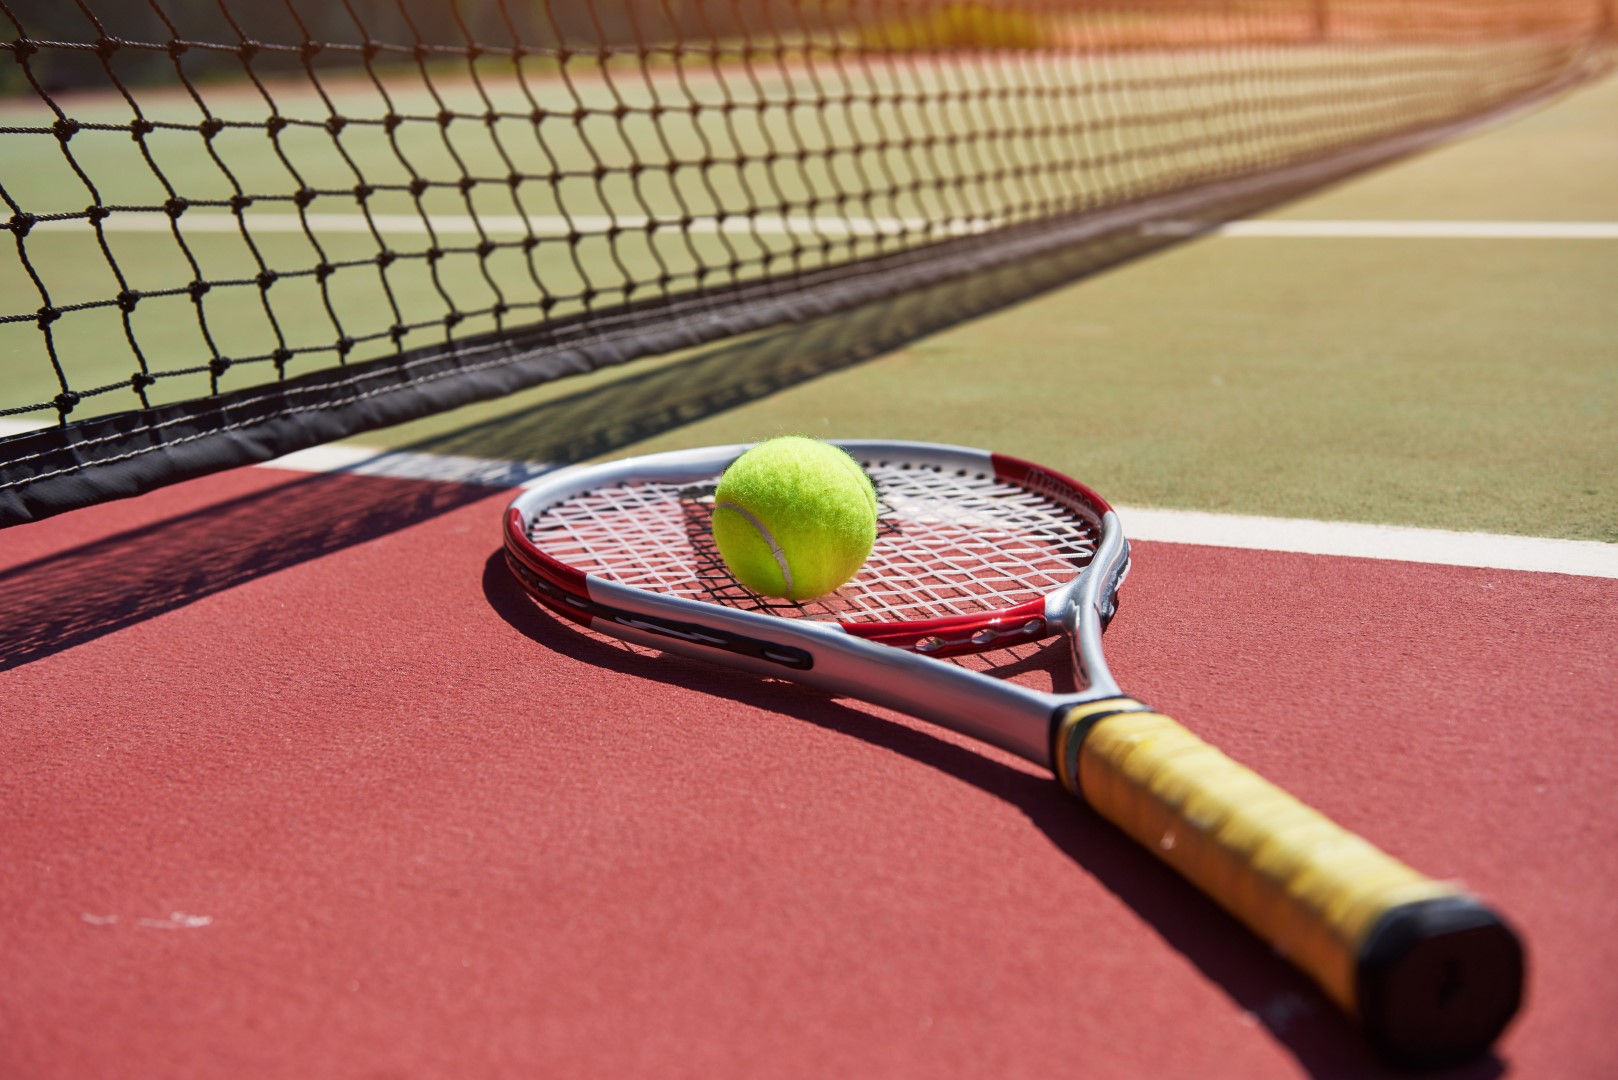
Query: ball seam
{"points": [[767, 537]]}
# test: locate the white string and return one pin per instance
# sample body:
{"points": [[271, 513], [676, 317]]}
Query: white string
{"points": [[947, 544]]}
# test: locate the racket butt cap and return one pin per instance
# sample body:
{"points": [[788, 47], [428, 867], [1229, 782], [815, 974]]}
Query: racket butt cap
{"points": [[1438, 981]]}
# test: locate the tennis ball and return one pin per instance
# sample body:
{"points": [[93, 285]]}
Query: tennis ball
{"points": [[794, 517]]}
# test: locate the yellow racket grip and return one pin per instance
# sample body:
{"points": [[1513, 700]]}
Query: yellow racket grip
{"points": [[1431, 974]]}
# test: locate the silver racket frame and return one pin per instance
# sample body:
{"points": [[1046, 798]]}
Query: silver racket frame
{"points": [[822, 654]]}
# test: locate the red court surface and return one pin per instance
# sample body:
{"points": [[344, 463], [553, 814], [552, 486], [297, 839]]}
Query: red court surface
{"points": [[297, 784]]}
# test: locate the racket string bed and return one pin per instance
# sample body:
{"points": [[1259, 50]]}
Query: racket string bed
{"points": [[948, 544]]}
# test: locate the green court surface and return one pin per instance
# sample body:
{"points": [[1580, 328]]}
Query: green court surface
{"points": [[1464, 384]]}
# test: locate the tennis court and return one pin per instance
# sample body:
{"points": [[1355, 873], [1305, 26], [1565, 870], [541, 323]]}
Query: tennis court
{"points": [[297, 778]]}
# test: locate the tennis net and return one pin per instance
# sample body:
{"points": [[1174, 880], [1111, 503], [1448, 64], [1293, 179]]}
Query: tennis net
{"points": [[240, 229]]}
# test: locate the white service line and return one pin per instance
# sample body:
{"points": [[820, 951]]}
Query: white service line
{"points": [[1399, 230], [1588, 558]]}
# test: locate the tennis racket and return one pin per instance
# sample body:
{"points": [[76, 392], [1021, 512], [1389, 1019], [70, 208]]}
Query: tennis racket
{"points": [[975, 552]]}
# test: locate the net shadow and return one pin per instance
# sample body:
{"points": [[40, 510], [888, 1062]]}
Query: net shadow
{"points": [[76, 596], [80, 595]]}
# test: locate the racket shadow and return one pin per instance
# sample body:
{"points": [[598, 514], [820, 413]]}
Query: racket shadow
{"points": [[1267, 988]]}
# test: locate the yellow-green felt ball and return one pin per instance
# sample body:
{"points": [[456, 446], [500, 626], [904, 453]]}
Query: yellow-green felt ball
{"points": [[794, 517]]}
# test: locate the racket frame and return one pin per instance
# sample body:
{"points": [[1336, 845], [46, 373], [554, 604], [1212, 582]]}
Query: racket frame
{"points": [[897, 663], [1430, 973]]}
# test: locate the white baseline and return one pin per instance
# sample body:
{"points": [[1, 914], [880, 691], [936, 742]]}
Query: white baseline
{"points": [[1583, 558]]}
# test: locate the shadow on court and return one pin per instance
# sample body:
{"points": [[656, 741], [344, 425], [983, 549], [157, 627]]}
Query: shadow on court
{"points": [[1269, 990], [81, 594], [76, 596]]}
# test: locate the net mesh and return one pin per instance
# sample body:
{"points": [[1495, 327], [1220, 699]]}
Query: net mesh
{"points": [[237, 229], [949, 543]]}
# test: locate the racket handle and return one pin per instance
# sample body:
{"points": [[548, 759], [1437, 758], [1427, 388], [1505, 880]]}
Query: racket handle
{"points": [[1431, 974]]}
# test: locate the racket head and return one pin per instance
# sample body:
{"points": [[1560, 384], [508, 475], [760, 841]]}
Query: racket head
{"points": [[974, 550]]}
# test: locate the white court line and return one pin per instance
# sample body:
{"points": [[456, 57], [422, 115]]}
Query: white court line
{"points": [[1588, 558], [1399, 230], [1585, 558]]}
